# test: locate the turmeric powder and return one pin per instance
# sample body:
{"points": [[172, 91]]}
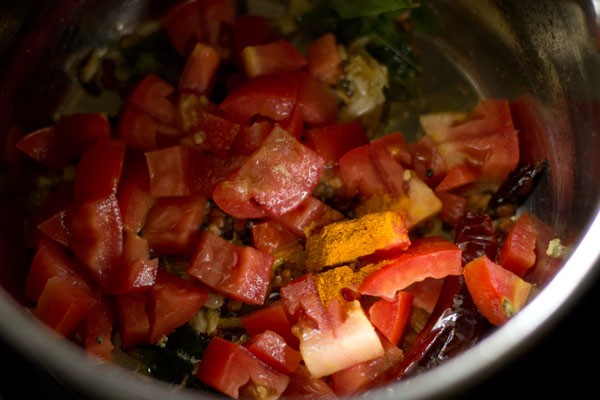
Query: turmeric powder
{"points": [[345, 241]]}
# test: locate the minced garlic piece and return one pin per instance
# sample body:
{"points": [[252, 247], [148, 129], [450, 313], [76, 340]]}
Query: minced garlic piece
{"points": [[555, 248]]}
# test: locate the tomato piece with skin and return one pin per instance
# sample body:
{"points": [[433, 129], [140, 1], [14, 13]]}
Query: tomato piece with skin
{"points": [[133, 192], [391, 317], [273, 96], [169, 171], [270, 236], [242, 273], [323, 59], [97, 239], [231, 369], [211, 130], [98, 329], [304, 386], [152, 95], [63, 305], [517, 253], [199, 73], [50, 260], [173, 301], [454, 207], [456, 177], [274, 318], [333, 141], [76, 133], [271, 58], [271, 348], [58, 225], [41, 145], [172, 225], [141, 131], [429, 257], [361, 376], [250, 137], [133, 319], [317, 101], [276, 178], [359, 175], [99, 170], [301, 301], [498, 293], [136, 272], [311, 215]]}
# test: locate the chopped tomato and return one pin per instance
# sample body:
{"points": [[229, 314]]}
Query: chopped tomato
{"points": [[231, 369], [457, 176], [172, 225], [99, 170], [271, 348], [133, 319], [96, 237], [391, 317], [454, 207], [485, 139], [200, 70], [311, 215], [152, 95], [173, 301], [133, 192], [323, 59], [333, 141], [272, 96], [430, 257], [317, 101], [498, 293], [169, 171], [136, 271], [141, 131], [50, 260], [359, 174], [517, 253], [240, 272], [361, 376], [271, 58], [76, 133], [304, 386], [277, 178], [98, 329], [58, 226], [63, 305], [274, 318], [41, 145], [270, 237]]}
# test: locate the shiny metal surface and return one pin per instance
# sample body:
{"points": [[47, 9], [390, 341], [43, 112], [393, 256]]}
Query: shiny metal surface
{"points": [[546, 52]]}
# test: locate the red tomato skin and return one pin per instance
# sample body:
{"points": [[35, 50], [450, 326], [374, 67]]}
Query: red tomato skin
{"points": [[271, 58], [517, 253], [270, 236], [323, 59], [57, 227], [333, 141], [133, 319], [76, 133], [99, 170], [304, 386], [430, 257], [228, 367], [41, 145], [173, 301], [243, 272], [172, 225], [317, 101], [96, 238], [359, 175], [391, 317], [251, 137], [273, 96], [276, 178], [456, 177], [168, 169], [216, 131], [274, 318], [199, 73], [311, 214], [63, 305], [271, 348], [136, 272], [152, 95], [97, 331], [142, 131], [133, 192], [301, 301], [454, 207], [497, 292], [50, 260]]}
